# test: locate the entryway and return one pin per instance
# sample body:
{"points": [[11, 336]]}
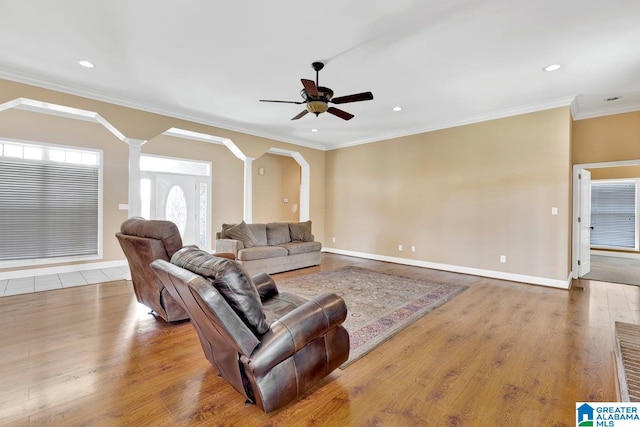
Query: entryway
{"points": [[178, 190]]}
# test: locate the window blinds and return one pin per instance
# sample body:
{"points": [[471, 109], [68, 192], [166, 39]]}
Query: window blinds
{"points": [[48, 210], [613, 214]]}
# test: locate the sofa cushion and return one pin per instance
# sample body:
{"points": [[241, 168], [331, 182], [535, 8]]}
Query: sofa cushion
{"points": [[295, 248], [231, 280], [278, 233], [300, 231], [261, 252], [260, 233], [243, 233]]}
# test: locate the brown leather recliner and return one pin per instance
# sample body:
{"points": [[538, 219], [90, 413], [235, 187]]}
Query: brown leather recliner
{"points": [[143, 241], [269, 346]]}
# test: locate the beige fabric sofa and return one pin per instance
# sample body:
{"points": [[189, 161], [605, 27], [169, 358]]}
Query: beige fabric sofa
{"points": [[270, 248]]}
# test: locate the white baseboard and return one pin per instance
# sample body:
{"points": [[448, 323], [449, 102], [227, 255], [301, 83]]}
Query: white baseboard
{"points": [[16, 274], [616, 254], [543, 281]]}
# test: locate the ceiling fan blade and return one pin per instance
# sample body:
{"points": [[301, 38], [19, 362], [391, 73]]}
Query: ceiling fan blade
{"points": [[283, 102], [342, 114], [302, 114], [364, 96], [310, 87]]}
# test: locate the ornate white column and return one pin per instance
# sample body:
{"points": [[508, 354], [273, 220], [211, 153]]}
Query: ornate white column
{"points": [[135, 200]]}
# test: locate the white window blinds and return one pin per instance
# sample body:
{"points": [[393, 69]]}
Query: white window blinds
{"points": [[48, 209], [613, 214]]}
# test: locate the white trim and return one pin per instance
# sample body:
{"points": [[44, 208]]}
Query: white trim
{"points": [[534, 280], [205, 137], [17, 274], [629, 255], [516, 111], [30, 79], [62, 111]]}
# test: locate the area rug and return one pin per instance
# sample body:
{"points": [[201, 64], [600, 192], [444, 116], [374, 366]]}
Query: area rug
{"points": [[379, 304]]}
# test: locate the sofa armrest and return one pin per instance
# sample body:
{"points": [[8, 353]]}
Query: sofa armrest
{"points": [[266, 286], [229, 246], [295, 330]]}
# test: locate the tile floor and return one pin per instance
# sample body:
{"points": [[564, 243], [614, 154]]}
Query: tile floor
{"points": [[26, 285]]}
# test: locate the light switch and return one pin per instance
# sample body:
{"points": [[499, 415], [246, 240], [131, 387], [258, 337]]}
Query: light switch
{"points": [[285, 200], [554, 211]]}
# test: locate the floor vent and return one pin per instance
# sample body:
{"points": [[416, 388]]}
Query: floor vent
{"points": [[628, 361]]}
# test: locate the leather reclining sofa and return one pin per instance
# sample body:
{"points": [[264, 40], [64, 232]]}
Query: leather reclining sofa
{"points": [[269, 346]]}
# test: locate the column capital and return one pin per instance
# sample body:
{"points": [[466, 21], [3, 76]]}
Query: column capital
{"points": [[135, 143]]}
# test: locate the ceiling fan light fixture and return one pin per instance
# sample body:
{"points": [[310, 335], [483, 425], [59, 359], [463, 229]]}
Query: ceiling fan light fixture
{"points": [[317, 107]]}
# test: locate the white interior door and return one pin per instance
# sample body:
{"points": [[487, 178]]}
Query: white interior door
{"points": [[176, 201], [584, 224]]}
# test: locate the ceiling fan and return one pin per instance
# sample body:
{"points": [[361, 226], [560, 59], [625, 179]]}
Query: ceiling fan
{"points": [[318, 98]]}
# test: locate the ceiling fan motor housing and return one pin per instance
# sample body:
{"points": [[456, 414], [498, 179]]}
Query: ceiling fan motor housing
{"points": [[317, 104]]}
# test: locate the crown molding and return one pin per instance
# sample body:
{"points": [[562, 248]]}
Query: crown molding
{"points": [[101, 96], [501, 114], [572, 101]]}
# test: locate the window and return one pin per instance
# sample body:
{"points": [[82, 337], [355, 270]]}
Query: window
{"points": [[613, 214], [49, 203]]}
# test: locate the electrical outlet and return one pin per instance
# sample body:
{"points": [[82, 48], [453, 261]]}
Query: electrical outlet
{"points": [[413, 248], [333, 239], [503, 259], [400, 248]]}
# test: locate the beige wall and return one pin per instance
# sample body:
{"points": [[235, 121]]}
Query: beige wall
{"points": [[607, 139], [463, 196], [620, 172], [281, 180], [228, 171]]}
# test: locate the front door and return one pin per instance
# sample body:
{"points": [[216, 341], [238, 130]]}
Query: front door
{"points": [[177, 201]]}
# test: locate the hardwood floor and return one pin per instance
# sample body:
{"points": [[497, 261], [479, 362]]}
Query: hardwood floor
{"points": [[500, 353]]}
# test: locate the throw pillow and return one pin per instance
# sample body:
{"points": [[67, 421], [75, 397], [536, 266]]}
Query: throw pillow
{"points": [[278, 233], [243, 233], [301, 231], [225, 227], [231, 280]]}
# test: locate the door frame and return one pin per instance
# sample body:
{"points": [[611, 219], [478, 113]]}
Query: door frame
{"points": [[575, 241]]}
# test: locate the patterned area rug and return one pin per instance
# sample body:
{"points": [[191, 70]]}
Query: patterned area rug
{"points": [[379, 304]]}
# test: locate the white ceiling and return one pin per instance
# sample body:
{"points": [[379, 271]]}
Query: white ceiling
{"points": [[445, 62]]}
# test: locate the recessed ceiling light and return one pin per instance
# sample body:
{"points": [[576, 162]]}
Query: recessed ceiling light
{"points": [[86, 64], [314, 130], [397, 108], [551, 67], [613, 98]]}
